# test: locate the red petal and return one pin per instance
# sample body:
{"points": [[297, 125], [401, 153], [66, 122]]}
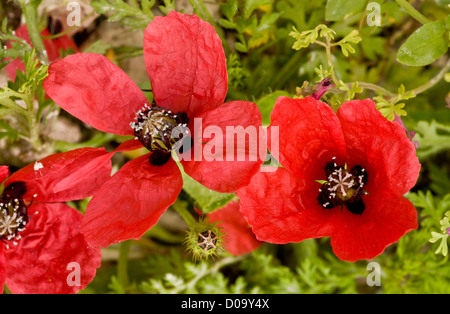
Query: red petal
{"points": [[310, 135], [186, 63], [4, 172], [239, 237], [380, 146], [129, 145], [63, 177], [50, 245], [282, 208], [227, 163], [2, 271], [54, 46], [96, 91], [384, 221], [12, 67], [131, 202]]}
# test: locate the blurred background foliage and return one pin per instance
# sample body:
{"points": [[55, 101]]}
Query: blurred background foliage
{"points": [[268, 55]]}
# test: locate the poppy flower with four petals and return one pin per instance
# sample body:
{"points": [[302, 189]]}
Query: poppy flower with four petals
{"points": [[344, 175], [185, 61]]}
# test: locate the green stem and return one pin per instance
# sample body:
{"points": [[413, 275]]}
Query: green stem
{"points": [[433, 81], [373, 87], [29, 9], [413, 12], [32, 121], [330, 61], [122, 264], [184, 213], [222, 263], [68, 30], [284, 73]]}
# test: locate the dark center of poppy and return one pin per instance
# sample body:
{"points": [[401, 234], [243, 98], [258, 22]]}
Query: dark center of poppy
{"points": [[160, 131], [207, 240], [343, 187], [13, 212]]}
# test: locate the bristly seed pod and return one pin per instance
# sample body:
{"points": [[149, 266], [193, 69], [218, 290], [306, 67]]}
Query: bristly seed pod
{"points": [[204, 239]]}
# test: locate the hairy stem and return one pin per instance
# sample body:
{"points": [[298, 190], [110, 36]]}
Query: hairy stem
{"points": [[330, 62], [433, 81], [122, 264], [29, 9], [217, 266], [184, 213]]}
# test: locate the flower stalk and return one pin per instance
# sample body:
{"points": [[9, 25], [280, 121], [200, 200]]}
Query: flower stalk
{"points": [[29, 9], [413, 12]]}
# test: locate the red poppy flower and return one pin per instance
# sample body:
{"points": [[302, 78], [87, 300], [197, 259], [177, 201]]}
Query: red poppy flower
{"points": [[239, 237], [344, 176], [53, 48], [40, 235], [187, 68]]}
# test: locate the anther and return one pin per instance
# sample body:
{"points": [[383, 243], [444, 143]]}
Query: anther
{"points": [[343, 187]]}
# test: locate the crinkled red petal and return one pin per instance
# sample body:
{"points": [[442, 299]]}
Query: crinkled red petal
{"points": [[52, 256], [68, 176], [131, 202], [186, 63], [380, 146], [282, 208], [307, 134], [239, 238], [384, 221], [95, 90], [227, 146]]}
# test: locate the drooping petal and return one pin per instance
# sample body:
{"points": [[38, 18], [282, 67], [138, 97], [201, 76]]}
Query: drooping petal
{"points": [[4, 172], [282, 208], [309, 136], [186, 63], [52, 256], [239, 237], [68, 176], [384, 221], [96, 91], [226, 150], [379, 145], [131, 202]]}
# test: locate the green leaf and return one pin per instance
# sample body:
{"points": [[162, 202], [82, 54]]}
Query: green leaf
{"points": [[227, 24], [229, 9], [251, 5], [433, 138], [241, 47], [8, 131], [373, 47], [338, 10], [424, 46], [207, 200], [266, 103], [128, 15]]}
